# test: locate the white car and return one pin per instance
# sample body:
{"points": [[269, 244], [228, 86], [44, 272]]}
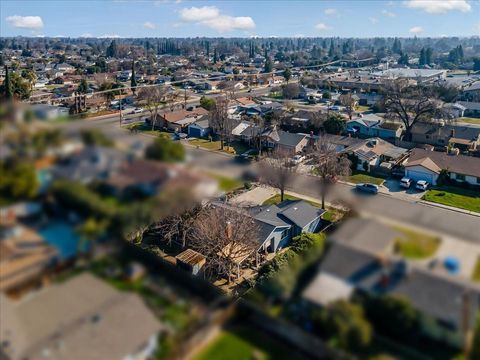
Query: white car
{"points": [[406, 182], [137, 110], [297, 159], [422, 185]]}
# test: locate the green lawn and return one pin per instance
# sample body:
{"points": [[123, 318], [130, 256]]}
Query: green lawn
{"points": [[246, 344], [225, 183], [415, 245], [147, 129], [276, 199], [359, 177], [235, 147], [362, 108], [456, 197], [476, 271], [469, 120]]}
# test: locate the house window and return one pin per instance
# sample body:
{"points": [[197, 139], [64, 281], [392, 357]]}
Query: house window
{"points": [[284, 233], [427, 136], [460, 177], [478, 180], [441, 141]]}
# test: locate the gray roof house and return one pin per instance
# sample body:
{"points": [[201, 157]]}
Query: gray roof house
{"points": [[280, 223], [289, 142], [356, 262], [82, 318]]}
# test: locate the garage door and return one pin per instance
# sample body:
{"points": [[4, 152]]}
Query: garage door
{"points": [[416, 175], [194, 132]]}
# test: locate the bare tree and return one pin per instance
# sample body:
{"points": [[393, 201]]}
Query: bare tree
{"points": [[348, 102], [226, 236], [330, 166], [291, 91], [153, 97], [277, 170], [410, 104], [219, 120]]}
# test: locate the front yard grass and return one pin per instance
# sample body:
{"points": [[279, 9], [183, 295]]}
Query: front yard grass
{"points": [[225, 183], [246, 344], [359, 177], [362, 108], [469, 120], [456, 197], [476, 271], [234, 148], [415, 245], [275, 199], [147, 129]]}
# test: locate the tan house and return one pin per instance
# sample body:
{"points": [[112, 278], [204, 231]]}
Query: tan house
{"points": [[179, 120]]}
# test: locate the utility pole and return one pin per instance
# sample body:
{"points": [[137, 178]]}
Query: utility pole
{"points": [[120, 109], [467, 331]]}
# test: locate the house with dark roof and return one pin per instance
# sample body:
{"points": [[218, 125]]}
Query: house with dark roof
{"points": [[427, 165], [280, 223], [372, 125], [81, 318], [357, 262], [463, 137], [292, 143]]}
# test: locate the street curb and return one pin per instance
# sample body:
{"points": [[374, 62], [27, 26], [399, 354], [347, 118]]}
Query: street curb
{"points": [[451, 208]]}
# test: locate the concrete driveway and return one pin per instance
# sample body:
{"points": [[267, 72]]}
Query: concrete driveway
{"points": [[255, 196], [466, 252], [392, 187]]}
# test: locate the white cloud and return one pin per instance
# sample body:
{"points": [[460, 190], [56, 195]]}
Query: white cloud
{"points": [[416, 30], [373, 20], [148, 25], [109, 36], [86, 35], [210, 16], [388, 13], [322, 26], [299, 35], [439, 6], [25, 22], [198, 14], [330, 12]]}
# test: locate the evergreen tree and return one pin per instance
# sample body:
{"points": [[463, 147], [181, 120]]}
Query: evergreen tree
{"points": [[112, 49], [268, 65], [208, 48], [331, 51], [215, 57], [8, 85], [133, 80], [423, 58], [428, 55], [397, 46]]}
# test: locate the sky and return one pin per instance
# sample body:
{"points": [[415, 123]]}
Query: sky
{"points": [[247, 18]]}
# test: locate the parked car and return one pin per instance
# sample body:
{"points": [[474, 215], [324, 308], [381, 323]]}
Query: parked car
{"points": [[247, 156], [406, 182], [367, 187], [297, 159], [422, 185], [179, 136], [137, 110]]}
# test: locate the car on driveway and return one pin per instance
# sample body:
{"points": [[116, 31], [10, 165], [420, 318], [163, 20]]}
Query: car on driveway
{"points": [[422, 185], [368, 188], [297, 159], [406, 182]]}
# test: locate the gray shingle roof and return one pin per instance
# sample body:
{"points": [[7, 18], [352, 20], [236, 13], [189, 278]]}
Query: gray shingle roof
{"points": [[299, 212]]}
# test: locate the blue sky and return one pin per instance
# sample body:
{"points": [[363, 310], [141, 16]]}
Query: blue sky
{"points": [[177, 18]]}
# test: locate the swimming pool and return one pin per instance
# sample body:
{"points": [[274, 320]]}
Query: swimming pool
{"points": [[62, 236]]}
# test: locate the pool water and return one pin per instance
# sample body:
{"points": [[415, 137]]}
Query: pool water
{"points": [[62, 236]]}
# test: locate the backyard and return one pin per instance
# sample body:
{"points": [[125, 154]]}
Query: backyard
{"points": [[415, 245], [456, 197], [241, 343]]}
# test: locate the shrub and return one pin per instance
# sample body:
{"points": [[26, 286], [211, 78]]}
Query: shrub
{"points": [[164, 149]]}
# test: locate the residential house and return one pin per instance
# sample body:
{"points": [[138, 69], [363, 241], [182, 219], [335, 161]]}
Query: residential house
{"points": [[83, 318], [88, 164], [372, 125], [199, 129], [291, 143], [375, 154], [359, 261], [427, 165], [149, 177], [179, 120], [466, 138], [25, 257], [472, 109]]}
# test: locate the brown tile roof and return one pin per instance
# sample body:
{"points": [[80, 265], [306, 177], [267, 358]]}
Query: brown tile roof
{"points": [[174, 116], [460, 164]]}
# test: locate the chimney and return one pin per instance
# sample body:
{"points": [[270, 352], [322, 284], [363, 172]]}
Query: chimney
{"points": [[452, 132], [229, 230]]}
